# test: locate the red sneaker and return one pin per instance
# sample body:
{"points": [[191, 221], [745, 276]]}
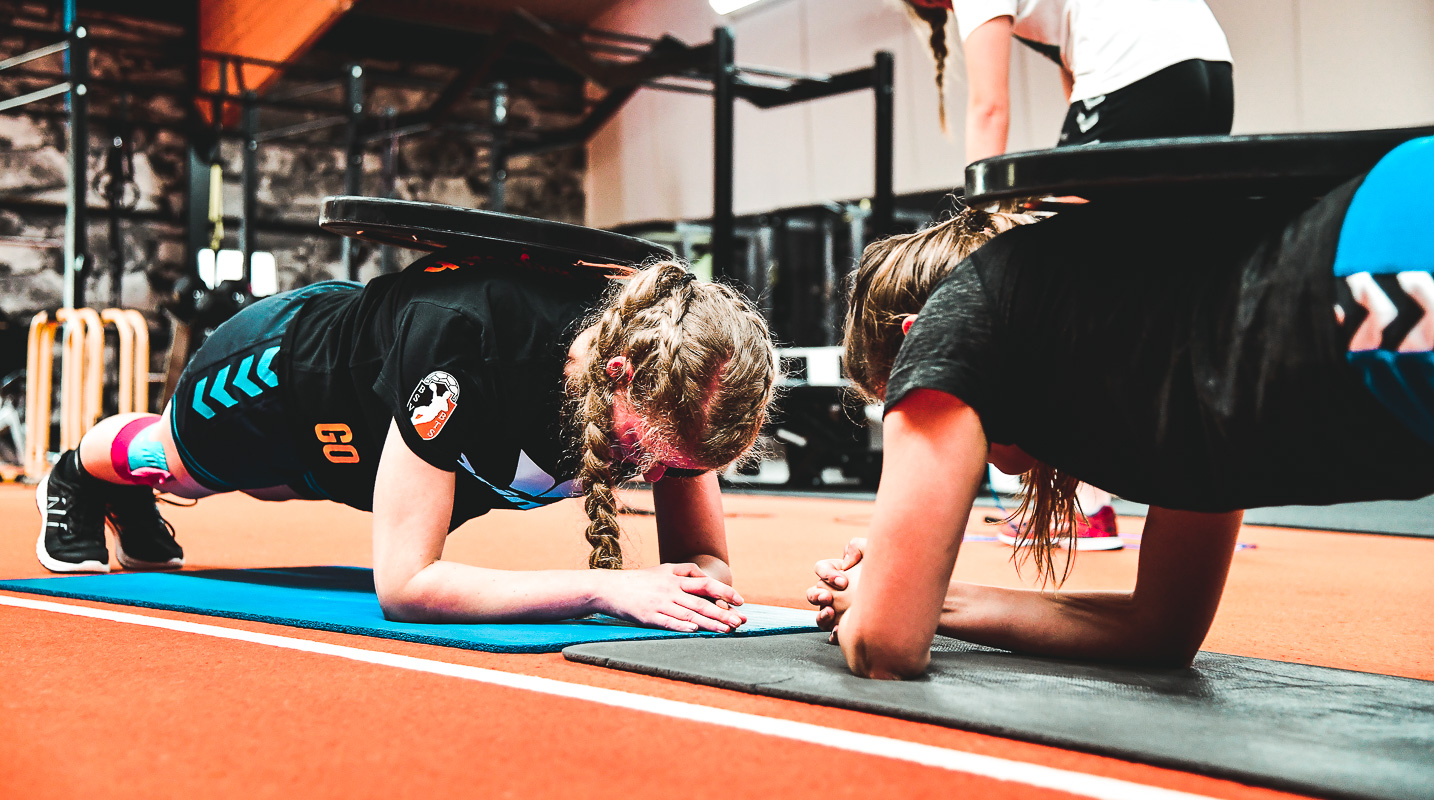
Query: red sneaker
{"points": [[1097, 534]]}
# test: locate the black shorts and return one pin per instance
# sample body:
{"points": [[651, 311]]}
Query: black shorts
{"points": [[1191, 98], [228, 414]]}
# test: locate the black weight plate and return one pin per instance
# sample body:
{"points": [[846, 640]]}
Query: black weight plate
{"points": [[1284, 165], [431, 226]]}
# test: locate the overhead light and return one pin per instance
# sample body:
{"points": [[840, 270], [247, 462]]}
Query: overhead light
{"points": [[263, 277], [728, 6], [206, 267], [229, 266]]}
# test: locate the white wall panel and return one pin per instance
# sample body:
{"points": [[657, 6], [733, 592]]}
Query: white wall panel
{"points": [[1299, 65], [1265, 45], [774, 149], [1366, 64]]}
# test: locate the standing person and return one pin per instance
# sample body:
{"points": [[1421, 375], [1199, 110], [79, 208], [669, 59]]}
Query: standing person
{"points": [[1287, 360], [433, 395], [1131, 69]]}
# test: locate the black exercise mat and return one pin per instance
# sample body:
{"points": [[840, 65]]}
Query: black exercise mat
{"points": [[1382, 517], [1311, 730], [1395, 517]]}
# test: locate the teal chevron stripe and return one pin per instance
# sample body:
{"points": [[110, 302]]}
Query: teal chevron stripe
{"points": [[198, 404], [241, 379], [264, 372], [221, 394]]}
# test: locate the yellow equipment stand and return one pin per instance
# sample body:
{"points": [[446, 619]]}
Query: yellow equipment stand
{"points": [[82, 371]]}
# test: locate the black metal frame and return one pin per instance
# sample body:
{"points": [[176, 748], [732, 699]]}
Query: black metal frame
{"points": [[730, 83], [74, 85], [620, 63]]}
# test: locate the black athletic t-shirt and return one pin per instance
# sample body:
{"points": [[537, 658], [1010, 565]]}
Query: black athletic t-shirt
{"points": [[1187, 358], [467, 358]]}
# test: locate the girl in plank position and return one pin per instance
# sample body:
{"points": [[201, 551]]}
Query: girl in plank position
{"points": [[436, 394], [1267, 357], [1132, 69]]}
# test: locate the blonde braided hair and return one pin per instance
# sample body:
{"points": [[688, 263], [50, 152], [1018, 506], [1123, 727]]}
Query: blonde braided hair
{"points": [[703, 370]]}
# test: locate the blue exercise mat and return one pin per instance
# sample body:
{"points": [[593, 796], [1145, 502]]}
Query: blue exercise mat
{"points": [[342, 599]]}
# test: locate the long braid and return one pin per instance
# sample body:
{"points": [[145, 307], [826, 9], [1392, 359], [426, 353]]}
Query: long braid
{"points": [[595, 473], [703, 371], [599, 501], [933, 17]]}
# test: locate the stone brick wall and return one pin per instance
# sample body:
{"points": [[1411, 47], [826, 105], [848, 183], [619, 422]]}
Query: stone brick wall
{"points": [[294, 175]]}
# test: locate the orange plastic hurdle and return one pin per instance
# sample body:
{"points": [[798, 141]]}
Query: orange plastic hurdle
{"points": [[39, 370], [82, 372], [133, 357]]}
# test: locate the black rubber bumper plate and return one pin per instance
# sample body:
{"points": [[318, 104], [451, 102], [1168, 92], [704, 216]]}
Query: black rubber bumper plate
{"points": [[430, 227], [1311, 730], [1147, 171]]}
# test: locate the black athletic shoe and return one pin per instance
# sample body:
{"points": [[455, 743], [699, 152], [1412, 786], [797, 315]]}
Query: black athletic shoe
{"points": [[72, 528], [144, 539]]}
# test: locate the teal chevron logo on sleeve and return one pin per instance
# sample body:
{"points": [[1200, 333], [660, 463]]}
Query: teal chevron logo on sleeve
{"points": [[198, 403], [219, 393], [265, 372], [241, 379]]}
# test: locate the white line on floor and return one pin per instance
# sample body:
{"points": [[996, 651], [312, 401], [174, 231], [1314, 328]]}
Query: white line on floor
{"points": [[927, 755]]}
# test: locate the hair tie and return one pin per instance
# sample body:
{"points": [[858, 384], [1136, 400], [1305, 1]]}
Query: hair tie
{"points": [[906, 323], [975, 220]]}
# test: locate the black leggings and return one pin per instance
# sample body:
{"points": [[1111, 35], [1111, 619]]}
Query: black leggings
{"points": [[1192, 98]]}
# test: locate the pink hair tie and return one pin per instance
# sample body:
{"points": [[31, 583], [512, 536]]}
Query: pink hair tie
{"points": [[906, 323]]}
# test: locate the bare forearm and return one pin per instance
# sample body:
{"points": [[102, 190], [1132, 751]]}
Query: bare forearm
{"points": [[1184, 560], [987, 127], [1105, 626], [690, 524], [445, 591], [916, 530], [988, 90]]}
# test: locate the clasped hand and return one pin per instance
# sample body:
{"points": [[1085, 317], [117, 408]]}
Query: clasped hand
{"points": [[837, 579], [678, 597]]}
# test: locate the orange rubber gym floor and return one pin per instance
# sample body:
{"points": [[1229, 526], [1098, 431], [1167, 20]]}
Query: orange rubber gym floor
{"points": [[98, 708]]}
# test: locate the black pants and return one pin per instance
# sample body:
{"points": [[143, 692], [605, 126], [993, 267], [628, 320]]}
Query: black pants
{"points": [[1192, 98]]}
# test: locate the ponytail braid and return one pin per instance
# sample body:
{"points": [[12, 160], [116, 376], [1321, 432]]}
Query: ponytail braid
{"points": [[932, 17], [599, 501]]}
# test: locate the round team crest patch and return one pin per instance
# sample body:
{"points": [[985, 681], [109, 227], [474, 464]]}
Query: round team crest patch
{"points": [[432, 403]]}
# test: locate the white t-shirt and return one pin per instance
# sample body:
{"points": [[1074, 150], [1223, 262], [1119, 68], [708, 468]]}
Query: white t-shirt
{"points": [[1106, 44]]}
